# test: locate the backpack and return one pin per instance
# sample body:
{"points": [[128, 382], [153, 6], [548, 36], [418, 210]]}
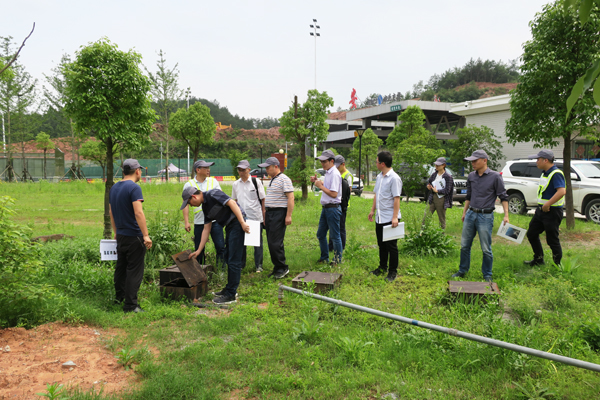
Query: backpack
{"points": [[346, 191]]}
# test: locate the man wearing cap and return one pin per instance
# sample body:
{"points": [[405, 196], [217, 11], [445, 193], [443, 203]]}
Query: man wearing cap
{"points": [[441, 186], [129, 226], [204, 182], [250, 195], [279, 205], [483, 186], [388, 188], [340, 164], [549, 214], [331, 199], [218, 207]]}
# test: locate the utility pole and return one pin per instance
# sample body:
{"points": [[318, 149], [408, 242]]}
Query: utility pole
{"points": [[315, 34]]}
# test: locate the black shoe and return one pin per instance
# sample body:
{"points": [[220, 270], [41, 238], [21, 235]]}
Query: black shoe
{"points": [[138, 309], [222, 293], [391, 277], [534, 262], [378, 272], [225, 299], [281, 274], [323, 262], [458, 275]]}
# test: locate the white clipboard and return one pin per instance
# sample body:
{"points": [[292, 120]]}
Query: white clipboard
{"points": [[512, 232], [390, 233], [252, 239]]}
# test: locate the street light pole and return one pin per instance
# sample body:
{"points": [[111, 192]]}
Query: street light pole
{"points": [[315, 34], [359, 133], [187, 95], [3, 136]]}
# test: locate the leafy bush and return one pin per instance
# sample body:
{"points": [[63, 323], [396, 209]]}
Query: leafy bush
{"points": [[167, 239], [308, 331], [432, 241]]}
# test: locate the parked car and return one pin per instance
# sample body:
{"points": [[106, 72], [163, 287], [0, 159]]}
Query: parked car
{"points": [[521, 178], [259, 173], [460, 185]]}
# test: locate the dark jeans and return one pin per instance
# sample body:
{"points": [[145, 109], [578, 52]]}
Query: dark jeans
{"points": [[549, 222], [235, 244], [275, 227], [342, 231], [216, 233], [129, 270], [258, 251], [387, 250], [330, 221]]}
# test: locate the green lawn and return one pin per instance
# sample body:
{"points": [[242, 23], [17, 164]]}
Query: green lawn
{"points": [[307, 349]]}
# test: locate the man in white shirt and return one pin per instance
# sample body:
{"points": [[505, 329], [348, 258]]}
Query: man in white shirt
{"points": [[250, 195], [204, 182], [388, 189]]}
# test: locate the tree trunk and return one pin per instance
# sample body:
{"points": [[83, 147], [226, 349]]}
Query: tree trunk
{"points": [[44, 174], [570, 212], [367, 167], [108, 186], [304, 185]]}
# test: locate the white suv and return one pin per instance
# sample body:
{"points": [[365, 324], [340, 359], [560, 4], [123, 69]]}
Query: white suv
{"points": [[521, 178]]}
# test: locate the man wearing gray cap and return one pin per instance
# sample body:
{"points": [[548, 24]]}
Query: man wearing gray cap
{"points": [[204, 182], [250, 195], [441, 186], [549, 214], [279, 205], [129, 226], [483, 186], [331, 199]]}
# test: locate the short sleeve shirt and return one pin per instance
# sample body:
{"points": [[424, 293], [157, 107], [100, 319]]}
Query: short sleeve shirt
{"points": [[276, 191], [208, 184], [215, 207], [246, 196], [387, 187], [557, 182], [333, 182], [121, 198]]}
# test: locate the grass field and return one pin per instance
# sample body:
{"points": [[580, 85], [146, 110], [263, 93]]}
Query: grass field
{"points": [[307, 349]]}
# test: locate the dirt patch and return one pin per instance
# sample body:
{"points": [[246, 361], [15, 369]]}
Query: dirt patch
{"points": [[588, 239], [35, 357]]}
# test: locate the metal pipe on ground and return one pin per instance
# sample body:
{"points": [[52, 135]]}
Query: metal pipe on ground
{"points": [[453, 332]]}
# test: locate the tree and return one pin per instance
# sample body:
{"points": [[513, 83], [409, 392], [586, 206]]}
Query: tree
{"points": [[166, 94], [370, 145], [411, 123], [195, 126], [548, 72], [108, 96], [306, 124], [44, 143], [473, 138], [10, 60]]}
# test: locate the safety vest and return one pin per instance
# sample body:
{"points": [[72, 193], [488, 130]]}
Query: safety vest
{"points": [[543, 185], [210, 184], [345, 174]]}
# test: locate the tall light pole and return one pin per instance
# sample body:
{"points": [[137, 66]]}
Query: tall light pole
{"points": [[187, 95], [3, 137], [315, 34]]}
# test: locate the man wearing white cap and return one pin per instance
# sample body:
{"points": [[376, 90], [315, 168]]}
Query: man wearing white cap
{"points": [[549, 214], [131, 232], [204, 182], [483, 187], [250, 195]]}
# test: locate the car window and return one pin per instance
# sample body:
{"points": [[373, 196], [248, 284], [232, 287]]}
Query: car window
{"points": [[518, 169], [589, 170], [532, 171]]}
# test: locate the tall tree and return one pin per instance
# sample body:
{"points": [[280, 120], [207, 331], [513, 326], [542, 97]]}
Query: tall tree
{"points": [[537, 107], [166, 93], [368, 153], [43, 142], [109, 96], [471, 138], [306, 124], [195, 126]]}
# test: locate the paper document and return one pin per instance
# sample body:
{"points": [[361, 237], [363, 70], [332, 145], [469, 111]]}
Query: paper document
{"points": [[439, 185], [512, 232], [390, 233], [108, 250], [253, 238]]}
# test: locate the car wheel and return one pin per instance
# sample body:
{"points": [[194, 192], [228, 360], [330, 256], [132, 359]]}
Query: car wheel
{"points": [[592, 211], [516, 204]]}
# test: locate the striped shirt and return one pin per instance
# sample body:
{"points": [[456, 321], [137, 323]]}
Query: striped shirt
{"points": [[276, 191]]}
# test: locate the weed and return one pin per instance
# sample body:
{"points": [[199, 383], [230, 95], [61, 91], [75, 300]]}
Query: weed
{"points": [[534, 391], [432, 241], [308, 331], [590, 332], [54, 392], [566, 267], [353, 350], [127, 356]]}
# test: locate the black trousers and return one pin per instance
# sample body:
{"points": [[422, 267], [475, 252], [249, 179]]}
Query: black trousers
{"points": [[549, 222], [387, 250], [342, 230], [129, 271], [275, 227]]}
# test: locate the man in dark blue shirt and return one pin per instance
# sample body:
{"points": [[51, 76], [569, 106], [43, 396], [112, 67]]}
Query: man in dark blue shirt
{"points": [[129, 226], [219, 207], [549, 214]]}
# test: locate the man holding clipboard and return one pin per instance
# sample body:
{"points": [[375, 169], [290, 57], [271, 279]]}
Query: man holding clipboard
{"points": [[388, 188]]}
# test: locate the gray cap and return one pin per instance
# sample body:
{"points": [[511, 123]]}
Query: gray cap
{"points": [[243, 164], [547, 154], [202, 164], [339, 160], [187, 195], [477, 154], [269, 161], [440, 161], [326, 155], [131, 164]]}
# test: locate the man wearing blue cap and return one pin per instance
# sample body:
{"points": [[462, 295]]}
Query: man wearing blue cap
{"points": [[549, 214]]}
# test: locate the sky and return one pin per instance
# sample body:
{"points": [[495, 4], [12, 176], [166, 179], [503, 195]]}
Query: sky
{"points": [[254, 56]]}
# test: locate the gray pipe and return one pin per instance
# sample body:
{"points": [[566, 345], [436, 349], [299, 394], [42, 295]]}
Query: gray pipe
{"points": [[452, 332]]}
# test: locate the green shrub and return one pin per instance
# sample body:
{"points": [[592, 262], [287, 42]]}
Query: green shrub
{"points": [[167, 239], [431, 241]]}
